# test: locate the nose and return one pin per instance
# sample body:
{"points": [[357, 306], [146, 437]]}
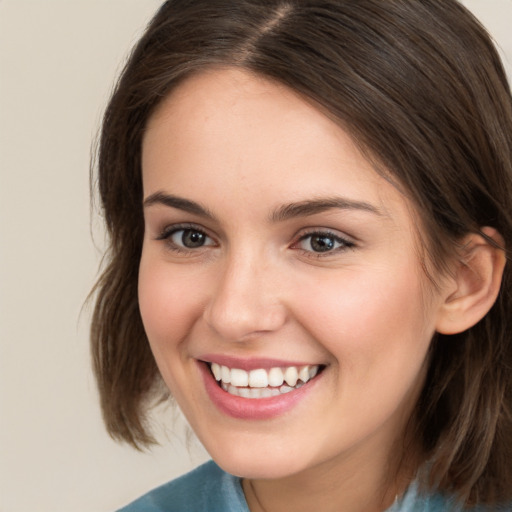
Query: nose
{"points": [[246, 300]]}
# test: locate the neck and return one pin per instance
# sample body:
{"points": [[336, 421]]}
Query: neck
{"points": [[365, 482]]}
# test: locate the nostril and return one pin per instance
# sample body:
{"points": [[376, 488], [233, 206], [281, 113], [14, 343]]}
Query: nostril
{"points": [[243, 304]]}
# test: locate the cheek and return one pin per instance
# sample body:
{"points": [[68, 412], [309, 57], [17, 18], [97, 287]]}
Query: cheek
{"points": [[378, 335], [372, 320], [168, 301]]}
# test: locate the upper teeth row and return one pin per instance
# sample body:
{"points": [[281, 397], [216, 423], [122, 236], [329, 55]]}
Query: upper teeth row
{"points": [[262, 378]]}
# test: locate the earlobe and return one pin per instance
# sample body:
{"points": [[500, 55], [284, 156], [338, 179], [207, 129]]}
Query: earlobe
{"points": [[477, 279]]}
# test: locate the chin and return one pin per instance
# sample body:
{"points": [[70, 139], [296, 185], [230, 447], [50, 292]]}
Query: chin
{"points": [[259, 471], [248, 464]]}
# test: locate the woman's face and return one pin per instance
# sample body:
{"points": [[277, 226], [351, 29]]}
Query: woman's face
{"points": [[274, 251]]}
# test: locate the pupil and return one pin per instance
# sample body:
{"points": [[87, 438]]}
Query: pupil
{"points": [[322, 243], [192, 239]]}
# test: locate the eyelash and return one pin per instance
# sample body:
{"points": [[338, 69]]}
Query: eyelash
{"points": [[343, 244], [168, 232]]}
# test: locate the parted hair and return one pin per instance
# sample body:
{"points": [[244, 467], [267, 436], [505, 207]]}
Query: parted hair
{"points": [[419, 86]]}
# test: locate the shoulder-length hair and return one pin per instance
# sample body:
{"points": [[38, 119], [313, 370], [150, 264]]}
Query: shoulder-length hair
{"points": [[419, 86]]}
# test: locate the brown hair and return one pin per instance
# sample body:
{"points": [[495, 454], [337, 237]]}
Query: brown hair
{"points": [[420, 87]]}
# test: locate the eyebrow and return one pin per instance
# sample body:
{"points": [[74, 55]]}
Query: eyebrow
{"points": [[314, 206], [179, 203], [283, 213]]}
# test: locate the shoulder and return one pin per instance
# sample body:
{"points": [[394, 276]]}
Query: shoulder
{"points": [[205, 489]]}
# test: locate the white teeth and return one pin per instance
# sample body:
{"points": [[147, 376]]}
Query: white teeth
{"points": [[261, 383], [258, 378], [304, 374], [260, 393], [275, 377], [225, 374], [239, 378], [291, 376], [216, 371], [244, 392]]}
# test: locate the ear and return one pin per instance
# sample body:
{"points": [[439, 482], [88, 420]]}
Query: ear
{"points": [[476, 282]]}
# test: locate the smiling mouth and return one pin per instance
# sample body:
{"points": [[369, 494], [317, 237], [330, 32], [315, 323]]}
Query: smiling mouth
{"points": [[263, 383]]}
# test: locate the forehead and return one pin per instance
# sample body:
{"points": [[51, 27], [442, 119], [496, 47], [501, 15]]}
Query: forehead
{"points": [[223, 106], [225, 131]]}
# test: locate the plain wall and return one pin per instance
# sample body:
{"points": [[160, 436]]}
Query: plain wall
{"points": [[58, 59]]}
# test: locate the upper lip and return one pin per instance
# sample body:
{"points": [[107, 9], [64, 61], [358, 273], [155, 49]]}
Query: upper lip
{"points": [[252, 363]]}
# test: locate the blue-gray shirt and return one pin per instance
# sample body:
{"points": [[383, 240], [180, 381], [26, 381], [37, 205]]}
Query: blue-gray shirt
{"points": [[210, 489]]}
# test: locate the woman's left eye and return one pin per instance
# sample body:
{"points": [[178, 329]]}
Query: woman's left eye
{"points": [[322, 242]]}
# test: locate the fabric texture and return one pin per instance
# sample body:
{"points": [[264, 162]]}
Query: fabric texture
{"points": [[210, 489], [205, 489]]}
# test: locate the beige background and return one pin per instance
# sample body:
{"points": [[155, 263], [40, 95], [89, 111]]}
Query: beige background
{"points": [[58, 59]]}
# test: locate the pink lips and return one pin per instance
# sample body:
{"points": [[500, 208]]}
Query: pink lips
{"points": [[251, 408]]}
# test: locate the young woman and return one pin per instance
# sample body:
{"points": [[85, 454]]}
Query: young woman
{"points": [[309, 208]]}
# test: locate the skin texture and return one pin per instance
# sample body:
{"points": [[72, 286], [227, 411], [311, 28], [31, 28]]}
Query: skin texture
{"points": [[242, 148]]}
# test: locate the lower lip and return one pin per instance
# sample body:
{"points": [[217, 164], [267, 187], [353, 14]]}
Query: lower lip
{"points": [[252, 408]]}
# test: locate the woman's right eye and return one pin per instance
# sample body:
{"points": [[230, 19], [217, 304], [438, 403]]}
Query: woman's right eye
{"points": [[184, 238]]}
